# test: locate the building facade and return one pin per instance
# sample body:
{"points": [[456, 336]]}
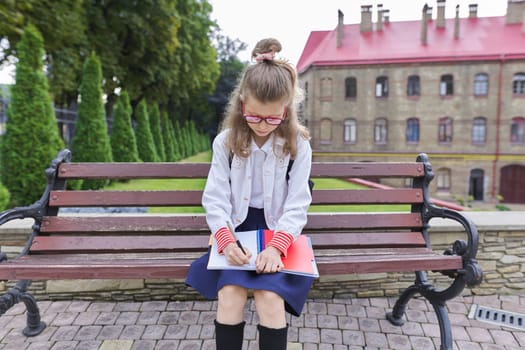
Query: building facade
{"points": [[452, 88]]}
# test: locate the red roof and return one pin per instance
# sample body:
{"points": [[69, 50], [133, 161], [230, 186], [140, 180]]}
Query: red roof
{"points": [[482, 38]]}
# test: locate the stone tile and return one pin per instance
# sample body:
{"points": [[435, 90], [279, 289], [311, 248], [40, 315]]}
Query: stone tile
{"points": [[180, 305], [102, 306], [309, 335], [188, 317], [377, 340], [86, 318], [194, 331], [190, 344], [172, 317], [132, 332], [58, 306], [148, 317], [127, 306], [143, 345], [89, 345], [421, 343], [110, 332], [65, 345], [205, 317], [398, 341], [348, 323], [154, 332], [327, 321], [176, 332], [64, 319], [467, 345], [375, 312], [317, 308], [65, 333], [331, 336], [169, 344], [412, 328], [416, 316], [356, 311], [116, 345], [78, 306], [202, 306], [127, 317], [369, 325], [503, 338], [40, 345], [387, 327], [480, 335], [88, 332], [310, 320], [351, 337], [107, 318], [154, 306], [336, 309]]}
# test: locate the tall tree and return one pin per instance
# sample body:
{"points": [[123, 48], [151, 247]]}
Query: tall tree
{"points": [[123, 141], [145, 143], [154, 120], [168, 138], [91, 141], [31, 138], [63, 25]]}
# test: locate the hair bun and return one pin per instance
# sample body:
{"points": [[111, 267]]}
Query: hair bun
{"points": [[266, 49]]}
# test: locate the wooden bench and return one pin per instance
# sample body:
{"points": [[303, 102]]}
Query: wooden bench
{"points": [[157, 246]]}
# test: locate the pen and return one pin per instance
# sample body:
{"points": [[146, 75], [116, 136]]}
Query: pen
{"points": [[232, 230]]}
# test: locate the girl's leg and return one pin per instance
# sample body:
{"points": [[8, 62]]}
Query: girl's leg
{"points": [[273, 330], [229, 325]]}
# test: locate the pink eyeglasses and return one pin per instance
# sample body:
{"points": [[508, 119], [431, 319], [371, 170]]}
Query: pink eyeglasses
{"points": [[254, 119]]}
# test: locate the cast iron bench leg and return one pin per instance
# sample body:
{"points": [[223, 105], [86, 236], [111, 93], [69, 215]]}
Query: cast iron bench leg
{"points": [[19, 293], [436, 299]]}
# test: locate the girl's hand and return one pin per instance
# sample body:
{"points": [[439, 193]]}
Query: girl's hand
{"points": [[235, 256], [268, 261]]}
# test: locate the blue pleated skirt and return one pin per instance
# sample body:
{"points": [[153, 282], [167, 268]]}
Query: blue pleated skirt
{"points": [[292, 288]]}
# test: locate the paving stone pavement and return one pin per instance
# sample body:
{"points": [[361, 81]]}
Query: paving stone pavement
{"points": [[333, 324]]}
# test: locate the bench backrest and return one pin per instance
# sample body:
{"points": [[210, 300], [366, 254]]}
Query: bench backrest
{"points": [[370, 229]]}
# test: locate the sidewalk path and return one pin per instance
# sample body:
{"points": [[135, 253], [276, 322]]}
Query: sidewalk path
{"points": [[325, 324]]}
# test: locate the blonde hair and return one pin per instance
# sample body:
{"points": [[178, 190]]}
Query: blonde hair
{"points": [[268, 80]]}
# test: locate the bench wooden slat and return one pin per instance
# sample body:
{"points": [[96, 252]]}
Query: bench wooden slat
{"points": [[124, 198], [107, 244], [193, 198], [133, 170], [369, 196], [197, 223], [98, 266], [367, 240], [200, 170], [367, 170], [136, 244]]}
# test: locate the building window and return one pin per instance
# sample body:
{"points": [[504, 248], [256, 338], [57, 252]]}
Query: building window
{"points": [[446, 85], [350, 131], [380, 131], [445, 130], [326, 131], [443, 179], [413, 86], [350, 87], [326, 88], [517, 130], [479, 130], [412, 132], [382, 86], [518, 84], [481, 84]]}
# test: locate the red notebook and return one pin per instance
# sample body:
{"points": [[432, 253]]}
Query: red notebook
{"points": [[300, 257]]}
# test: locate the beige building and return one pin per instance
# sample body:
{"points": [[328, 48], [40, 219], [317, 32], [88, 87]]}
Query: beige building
{"points": [[452, 88]]}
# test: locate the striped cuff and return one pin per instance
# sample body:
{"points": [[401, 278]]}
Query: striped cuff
{"points": [[282, 241], [223, 237]]}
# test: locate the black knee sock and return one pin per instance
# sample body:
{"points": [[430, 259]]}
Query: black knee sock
{"points": [[229, 337], [272, 338]]}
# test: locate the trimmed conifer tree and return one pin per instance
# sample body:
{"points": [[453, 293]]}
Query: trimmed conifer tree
{"points": [[168, 138], [31, 140], [91, 140], [154, 122], [145, 144], [4, 197], [123, 142]]}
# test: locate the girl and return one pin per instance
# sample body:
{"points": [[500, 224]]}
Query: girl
{"points": [[250, 185]]}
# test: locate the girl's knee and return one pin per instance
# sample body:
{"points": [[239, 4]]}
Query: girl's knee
{"points": [[268, 301], [232, 296]]}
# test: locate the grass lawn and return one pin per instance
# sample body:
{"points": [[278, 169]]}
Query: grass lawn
{"points": [[198, 184]]}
